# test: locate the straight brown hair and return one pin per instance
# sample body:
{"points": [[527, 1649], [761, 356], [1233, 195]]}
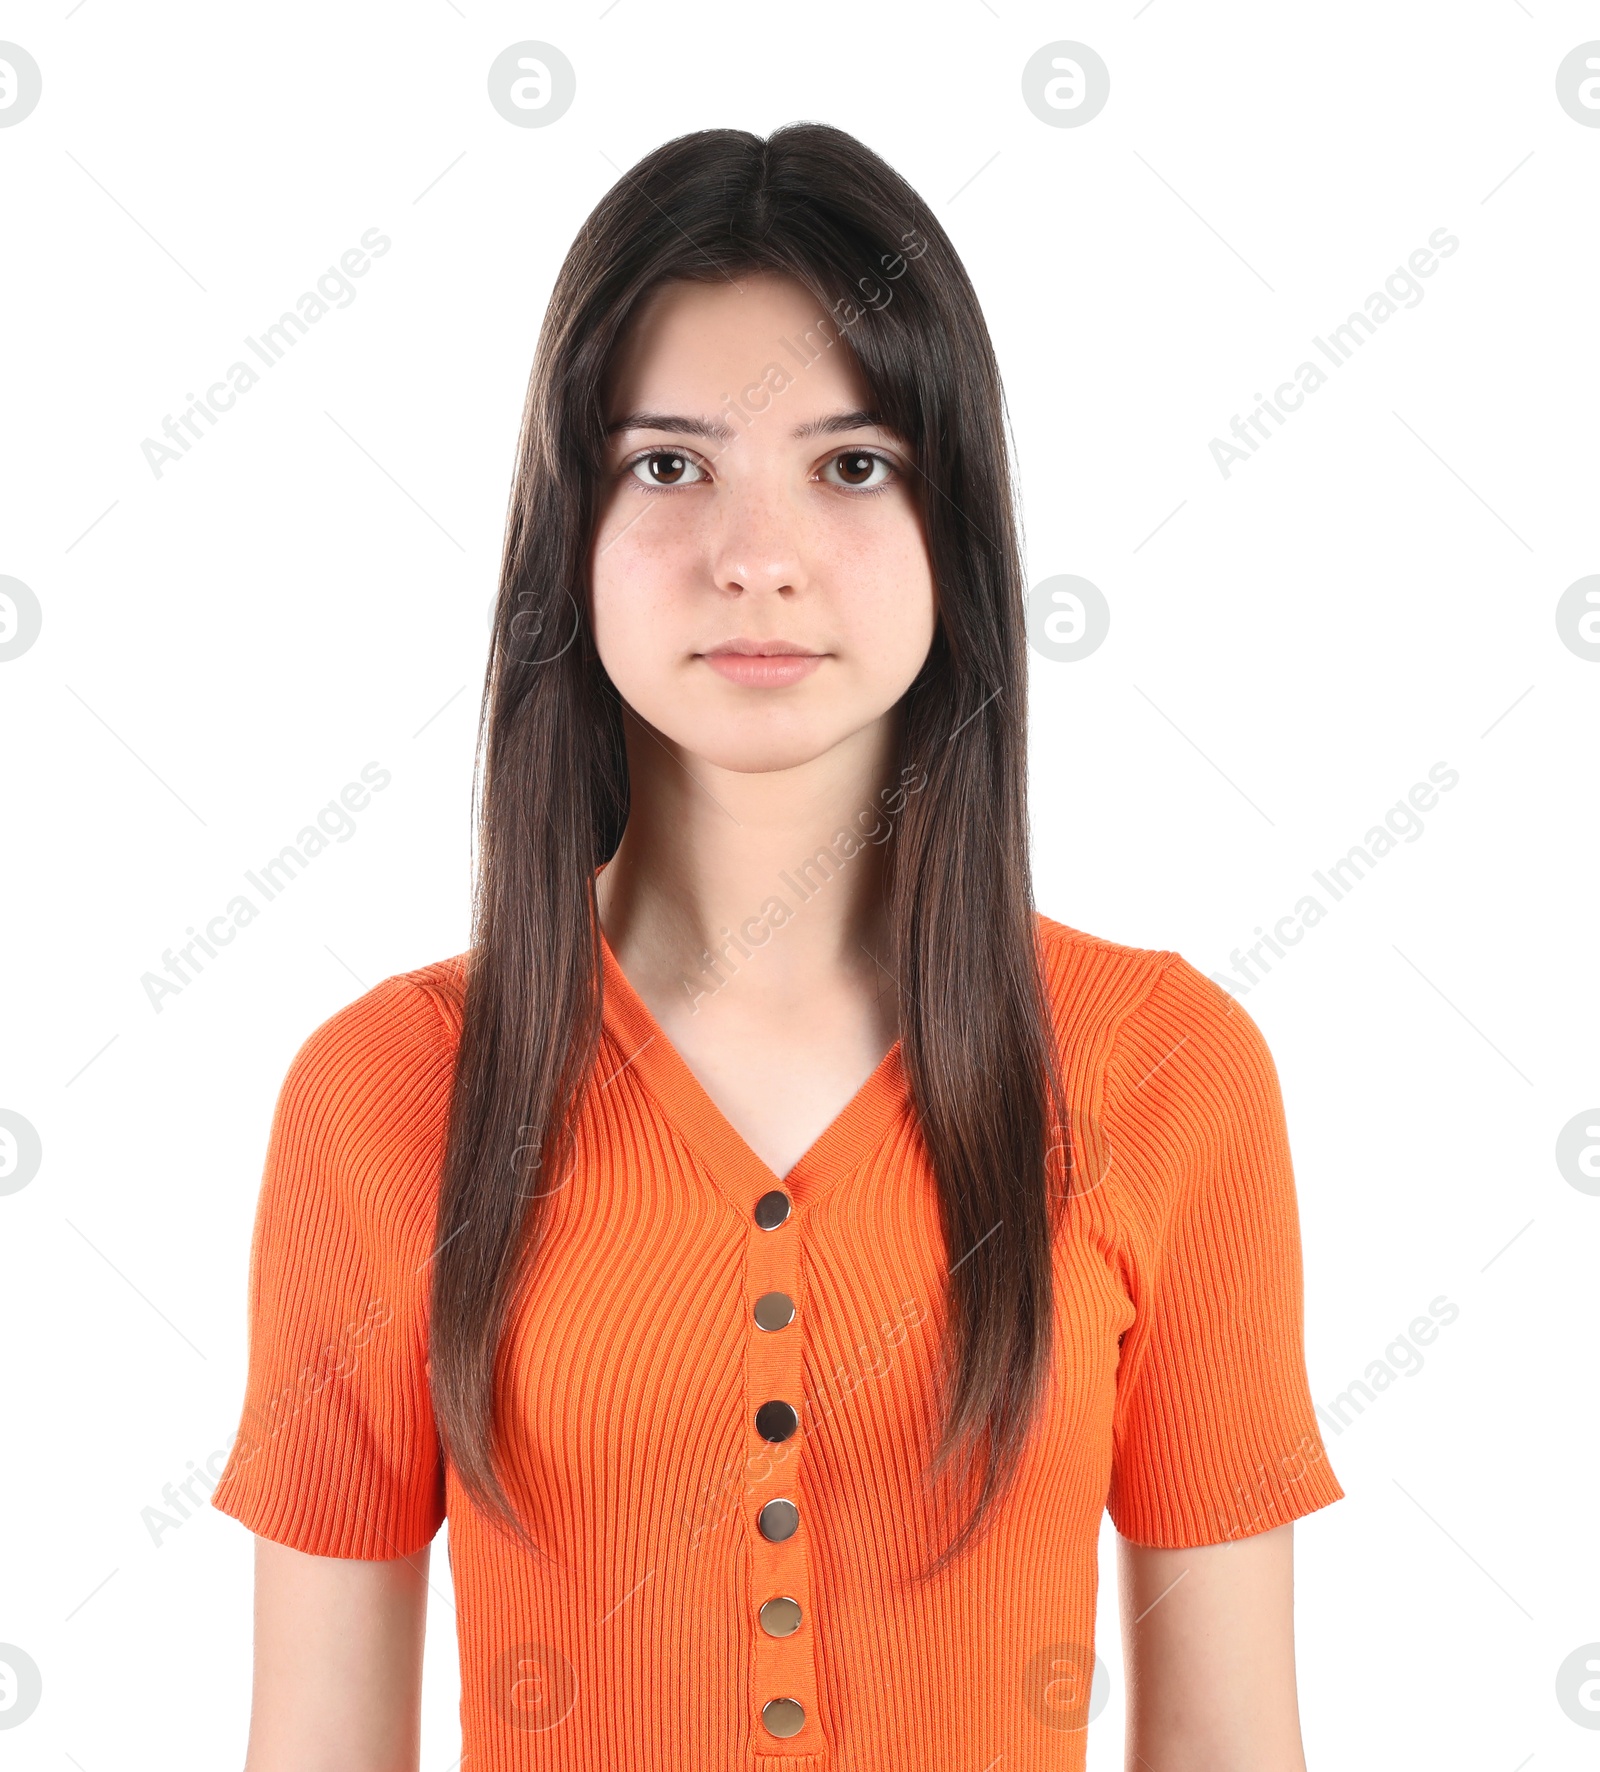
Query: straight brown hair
{"points": [[551, 786]]}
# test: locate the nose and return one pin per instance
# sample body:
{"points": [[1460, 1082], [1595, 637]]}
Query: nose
{"points": [[756, 545]]}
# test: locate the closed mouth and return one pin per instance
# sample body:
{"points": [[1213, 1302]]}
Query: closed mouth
{"points": [[760, 649]]}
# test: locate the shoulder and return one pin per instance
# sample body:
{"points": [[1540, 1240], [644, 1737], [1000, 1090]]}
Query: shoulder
{"points": [[1063, 944], [1093, 984], [1186, 1123], [1174, 1043], [375, 1075]]}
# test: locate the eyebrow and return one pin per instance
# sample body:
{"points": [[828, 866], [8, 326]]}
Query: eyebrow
{"points": [[721, 432]]}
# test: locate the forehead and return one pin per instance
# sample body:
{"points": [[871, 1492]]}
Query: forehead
{"points": [[693, 347]]}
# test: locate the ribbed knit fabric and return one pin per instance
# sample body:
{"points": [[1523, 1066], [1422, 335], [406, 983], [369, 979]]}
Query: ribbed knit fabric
{"points": [[1179, 1396]]}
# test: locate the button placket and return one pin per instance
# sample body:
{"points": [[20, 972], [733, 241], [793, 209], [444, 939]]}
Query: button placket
{"points": [[785, 1718], [783, 1660]]}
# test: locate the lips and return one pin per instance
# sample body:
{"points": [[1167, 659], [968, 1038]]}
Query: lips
{"points": [[762, 664], [762, 649]]}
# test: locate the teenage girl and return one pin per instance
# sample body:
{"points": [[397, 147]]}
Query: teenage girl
{"points": [[773, 1245]]}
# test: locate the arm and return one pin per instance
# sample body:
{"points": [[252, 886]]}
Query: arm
{"points": [[1208, 1643], [336, 1467], [338, 1662], [1217, 1449]]}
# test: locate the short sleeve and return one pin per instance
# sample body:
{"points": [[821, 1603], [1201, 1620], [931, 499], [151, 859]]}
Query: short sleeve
{"points": [[1215, 1435], [336, 1452]]}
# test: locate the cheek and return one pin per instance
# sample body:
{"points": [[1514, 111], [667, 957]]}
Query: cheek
{"points": [[881, 586], [638, 594]]}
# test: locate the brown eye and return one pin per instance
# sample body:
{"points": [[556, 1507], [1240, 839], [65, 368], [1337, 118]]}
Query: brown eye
{"points": [[665, 467], [855, 468]]}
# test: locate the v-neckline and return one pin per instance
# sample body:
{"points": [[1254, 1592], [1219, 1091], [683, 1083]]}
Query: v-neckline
{"points": [[848, 1139]]}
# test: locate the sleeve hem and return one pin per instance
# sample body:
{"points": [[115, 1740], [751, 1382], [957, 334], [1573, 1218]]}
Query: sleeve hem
{"points": [[1228, 1522], [351, 1544]]}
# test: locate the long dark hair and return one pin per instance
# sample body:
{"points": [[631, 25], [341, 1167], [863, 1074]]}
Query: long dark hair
{"points": [[813, 203]]}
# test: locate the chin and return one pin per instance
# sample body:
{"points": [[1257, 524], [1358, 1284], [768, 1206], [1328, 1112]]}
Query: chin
{"points": [[755, 743], [756, 753]]}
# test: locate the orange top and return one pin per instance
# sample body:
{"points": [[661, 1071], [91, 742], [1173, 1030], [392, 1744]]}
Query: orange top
{"points": [[1178, 1399]]}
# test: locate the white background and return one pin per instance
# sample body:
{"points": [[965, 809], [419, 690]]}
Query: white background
{"points": [[1291, 648]]}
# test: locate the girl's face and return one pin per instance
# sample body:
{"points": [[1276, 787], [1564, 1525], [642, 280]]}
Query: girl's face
{"points": [[750, 501]]}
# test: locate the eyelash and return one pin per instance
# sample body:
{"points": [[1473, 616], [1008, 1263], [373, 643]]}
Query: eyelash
{"points": [[626, 470]]}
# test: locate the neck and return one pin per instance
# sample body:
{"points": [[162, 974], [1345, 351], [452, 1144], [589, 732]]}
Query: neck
{"points": [[723, 875]]}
